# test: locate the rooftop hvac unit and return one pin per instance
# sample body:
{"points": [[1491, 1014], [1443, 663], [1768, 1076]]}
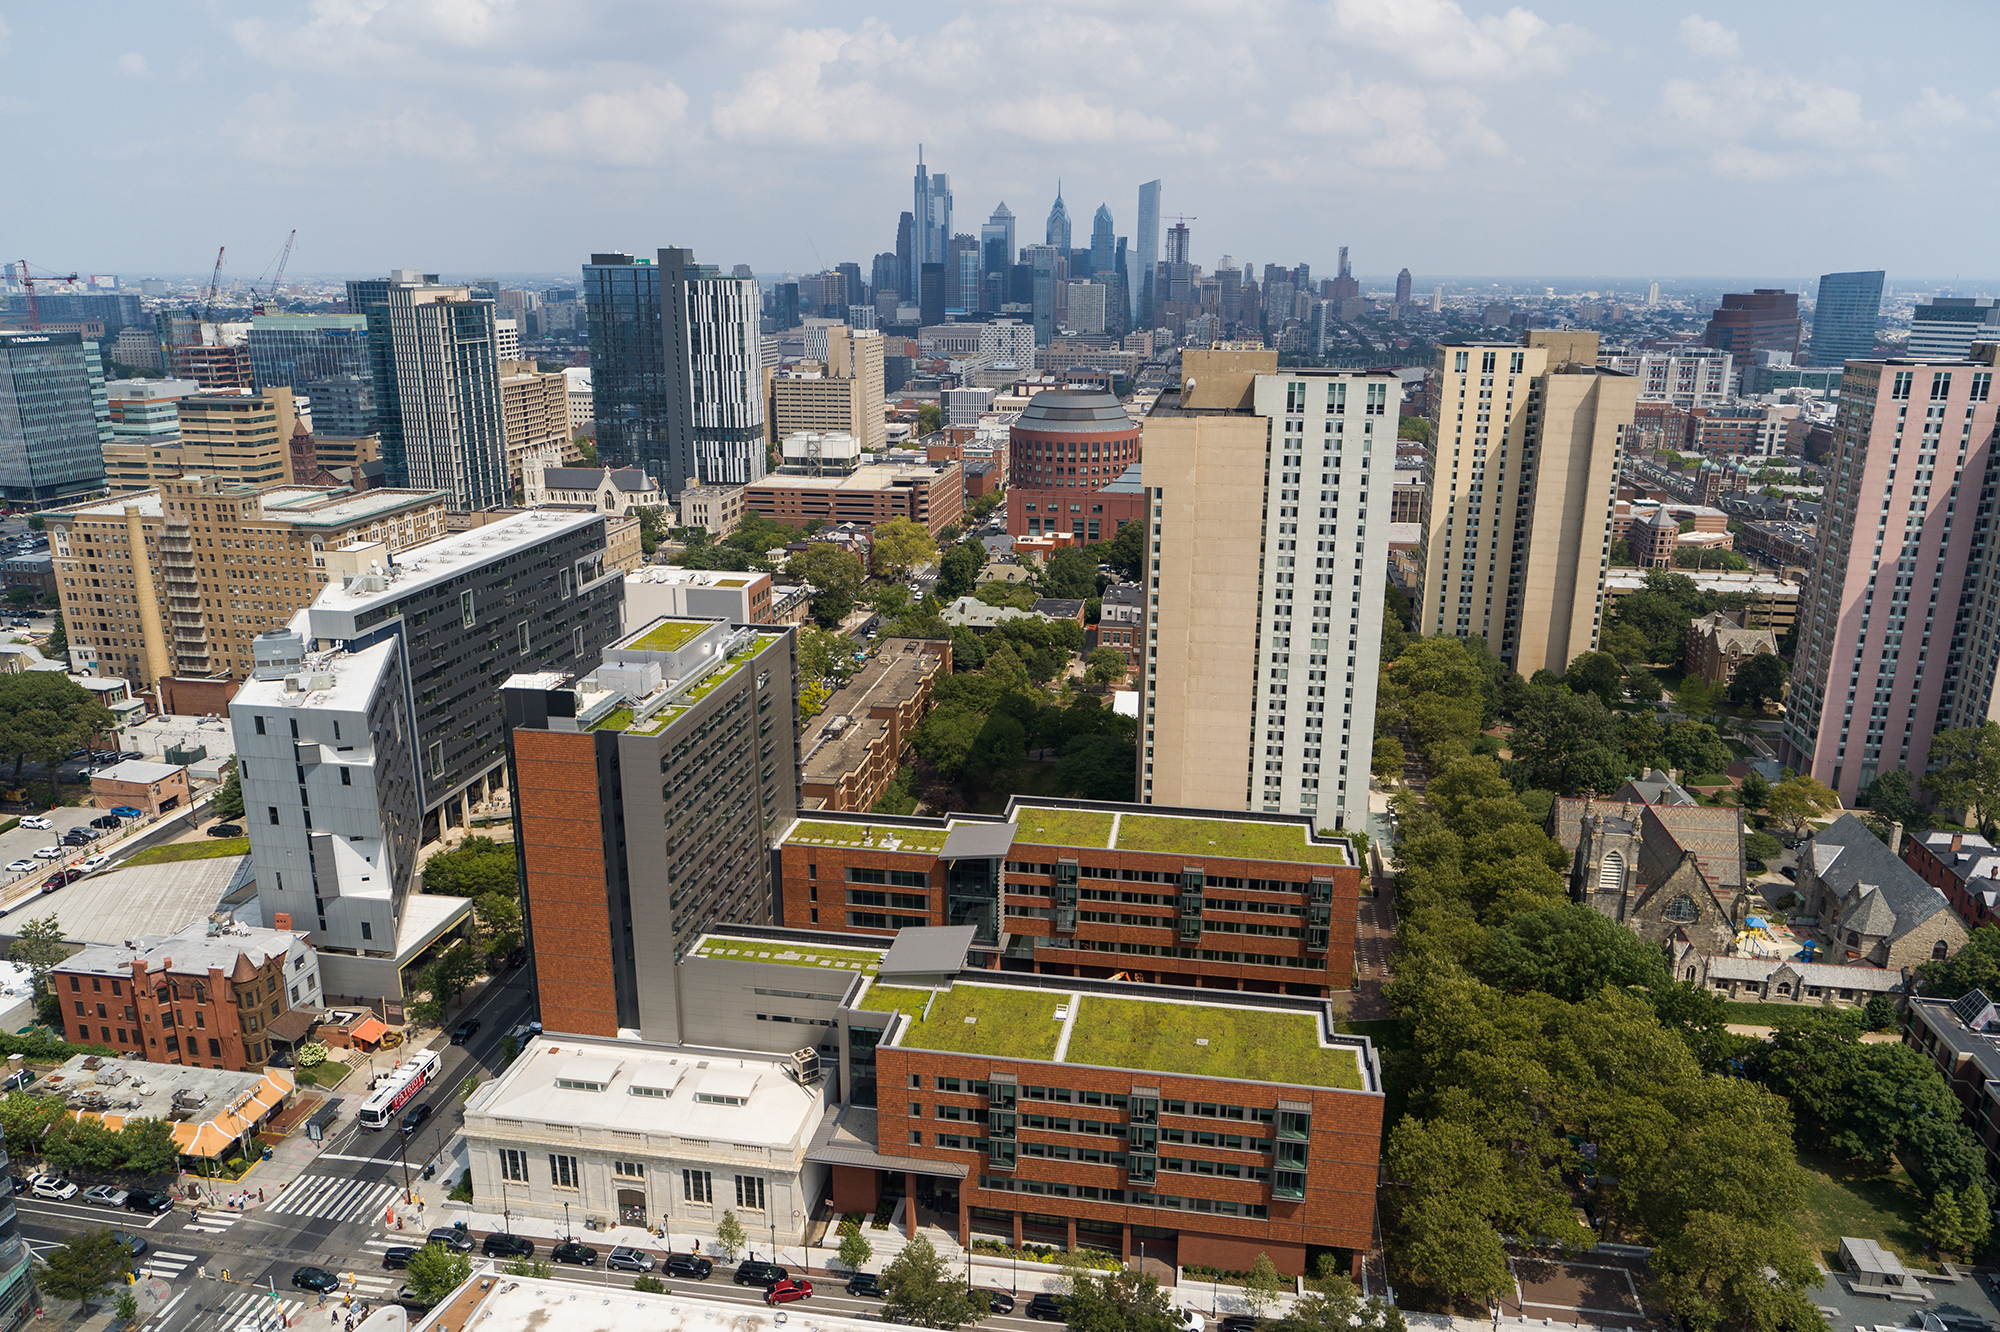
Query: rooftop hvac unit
{"points": [[804, 1067]]}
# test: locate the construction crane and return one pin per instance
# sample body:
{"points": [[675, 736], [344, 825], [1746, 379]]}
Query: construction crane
{"points": [[278, 279], [214, 282], [34, 311]]}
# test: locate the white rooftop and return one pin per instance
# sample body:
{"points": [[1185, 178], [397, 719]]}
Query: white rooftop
{"points": [[448, 557], [120, 904], [342, 681], [544, 1304], [148, 501], [137, 771], [764, 1108]]}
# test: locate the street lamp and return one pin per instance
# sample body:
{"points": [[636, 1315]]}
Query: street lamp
{"points": [[403, 1155], [568, 1234], [771, 1215], [804, 1238]]}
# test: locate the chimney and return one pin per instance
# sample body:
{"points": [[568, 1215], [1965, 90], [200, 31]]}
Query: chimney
{"points": [[281, 920], [1957, 841], [1895, 839]]}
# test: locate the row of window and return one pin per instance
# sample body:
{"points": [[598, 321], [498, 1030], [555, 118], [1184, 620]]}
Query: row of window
{"points": [[697, 1186], [1054, 1189]]}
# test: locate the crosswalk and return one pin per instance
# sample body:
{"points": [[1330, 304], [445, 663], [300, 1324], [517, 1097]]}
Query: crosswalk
{"points": [[333, 1198], [257, 1311], [167, 1265], [214, 1223]]}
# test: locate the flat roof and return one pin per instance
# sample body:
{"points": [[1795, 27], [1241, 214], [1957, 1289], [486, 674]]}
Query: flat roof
{"points": [[112, 906], [138, 772], [1152, 1034], [665, 635], [893, 676], [766, 1108], [350, 680], [731, 947], [440, 561], [863, 832], [869, 476], [538, 1304], [326, 508]]}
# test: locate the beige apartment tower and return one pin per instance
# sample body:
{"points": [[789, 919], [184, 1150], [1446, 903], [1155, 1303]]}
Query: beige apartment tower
{"points": [[534, 415], [841, 396], [1269, 533], [237, 438], [1522, 479]]}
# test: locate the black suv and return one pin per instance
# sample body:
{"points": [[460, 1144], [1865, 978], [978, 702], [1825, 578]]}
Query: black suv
{"points": [[503, 1245], [766, 1275], [465, 1031], [691, 1266], [1047, 1307], [865, 1283], [145, 1200], [414, 1117], [452, 1237], [398, 1257], [570, 1251]]}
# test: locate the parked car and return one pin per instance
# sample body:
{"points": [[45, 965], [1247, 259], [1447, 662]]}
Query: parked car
{"points": [[131, 1243], [79, 837], [128, 811], [20, 866], [503, 1245], [1242, 1323], [623, 1259], [106, 821], [1047, 1307], [407, 1295], [517, 955], [397, 1257], [315, 1279], [1190, 1321], [131, 756], [692, 1267], [1790, 871], [20, 1184], [997, 1301], [37, 821], [52, 1186], [465, 1031], [759, 1274], [453, 1238], [106, 1195], [146, 1200], [865, 1283], [59, 878], [570, 1251], [225, 830], [414, 1117], [49, 853], [96, 862], [789, 1291]]}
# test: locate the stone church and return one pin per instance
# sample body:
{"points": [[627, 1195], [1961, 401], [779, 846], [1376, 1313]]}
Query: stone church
{"points": [[1667, 868]]}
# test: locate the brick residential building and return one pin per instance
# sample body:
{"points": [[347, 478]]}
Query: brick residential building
{"points": [[207, 996], [1193, 898], [153, 787], [1963, 866], [1121, 624], [1873, 907], [1065, 452], [852, 749]]}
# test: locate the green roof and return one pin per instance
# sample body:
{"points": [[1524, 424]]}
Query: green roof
{"points": [[1238, 839], [667, 635], [821, 833], [1008, 1023], [1062, 827], [793, 955], [1256, 1044], [615, 720]]}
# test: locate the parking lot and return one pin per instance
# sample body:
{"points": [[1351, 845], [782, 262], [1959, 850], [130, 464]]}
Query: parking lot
{"points": [[22, 843]]}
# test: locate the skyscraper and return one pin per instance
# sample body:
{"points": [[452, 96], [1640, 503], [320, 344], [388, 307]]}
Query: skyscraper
{"points": [[1059, 223], [1145, 253], [291, 351], [932, 213], [435, 356], [55, 418], [1945, 327], [1042, 263], [628, 365], [885, 276], [1897, 634], [1844, 317], [906, 257], [1179, 242], [1270, 543], [1103, 241], [1766, 319], [998, 230], [1403, 288], [1522, 564], [715, 362], [1345, 285]]}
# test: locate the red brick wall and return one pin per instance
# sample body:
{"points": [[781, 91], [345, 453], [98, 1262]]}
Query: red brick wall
{"points": [[563, 844]]}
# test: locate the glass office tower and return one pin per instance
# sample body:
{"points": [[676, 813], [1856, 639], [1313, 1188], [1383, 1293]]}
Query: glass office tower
{"points": [[1844, 317]]}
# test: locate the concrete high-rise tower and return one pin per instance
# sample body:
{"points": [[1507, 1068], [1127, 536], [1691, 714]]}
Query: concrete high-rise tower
{"points": [[1264, 620], [436, 357], [1145, 253], [1058, 235], [1525, 447], [1898, 635], [1402, 288], [714, 373], [1179, 242]]}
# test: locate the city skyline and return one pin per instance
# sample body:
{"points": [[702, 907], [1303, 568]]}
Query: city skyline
{"points": [[715, 144]]}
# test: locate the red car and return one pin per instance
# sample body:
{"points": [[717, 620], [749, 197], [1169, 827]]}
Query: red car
{"points": [[792, 1288], [60, 878]]}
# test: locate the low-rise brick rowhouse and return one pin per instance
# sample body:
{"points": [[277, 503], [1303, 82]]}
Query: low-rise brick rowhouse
{"points": [[1203, 898]]}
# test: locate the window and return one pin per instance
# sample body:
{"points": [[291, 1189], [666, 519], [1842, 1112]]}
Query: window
{"points": [[1682, 910], [260, 725], [367, 930], [750, 1193], [1939, 951], [465, 615], [697, 1187], [562, 1171], [628, 1169], [346, 777], [272, 810], [524, 635], [513, 1165]]}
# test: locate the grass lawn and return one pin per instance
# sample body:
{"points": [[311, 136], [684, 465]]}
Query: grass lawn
{"points": [[1242, 1043], [1708, 779], [1233, 838], [1843, 1201], [1010, 1024], [1767, 1015], [1063, 827], [207, 849], [669, 635]]}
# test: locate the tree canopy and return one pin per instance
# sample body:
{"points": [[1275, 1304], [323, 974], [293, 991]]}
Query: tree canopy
{"points": [[475, 867], [44, 715], [1965, 773], [921, 1290]]}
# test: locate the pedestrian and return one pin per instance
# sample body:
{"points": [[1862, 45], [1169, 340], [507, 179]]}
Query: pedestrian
{"points": [[260, 1195]]}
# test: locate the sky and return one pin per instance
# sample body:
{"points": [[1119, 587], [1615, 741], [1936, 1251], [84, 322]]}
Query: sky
{"points": [[1457, 138]]}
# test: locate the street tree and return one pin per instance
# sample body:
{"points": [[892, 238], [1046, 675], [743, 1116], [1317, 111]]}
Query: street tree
{"points": [[729, 1234], [44, 715], [1121, 1301], [1760, 681], [477, 866], [1965, 773], [836, 576], [921, 1290], [1104, 666], [1263, 1286], [855, 1249], [900, 546], [39, 948], [1797, 801], [228, 802], [85, 1267], [958, 571], [435, 1271], [1336, 1306]]}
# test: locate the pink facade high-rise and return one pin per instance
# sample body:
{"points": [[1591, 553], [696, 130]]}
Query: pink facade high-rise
{"points": [[1890, 650]]}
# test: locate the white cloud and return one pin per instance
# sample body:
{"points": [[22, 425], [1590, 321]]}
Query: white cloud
{"points": [[1708, 39], [634, 127], [1067, 117], [1934, 109], [1391, 126], [134, 64], [823, 86], [1441, 40]]}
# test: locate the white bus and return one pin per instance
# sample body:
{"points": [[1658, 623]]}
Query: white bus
{"points": [[398, 1088]]}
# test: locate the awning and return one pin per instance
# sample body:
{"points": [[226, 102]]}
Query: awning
{"points": [[370, 1029], [293, 1026]]}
